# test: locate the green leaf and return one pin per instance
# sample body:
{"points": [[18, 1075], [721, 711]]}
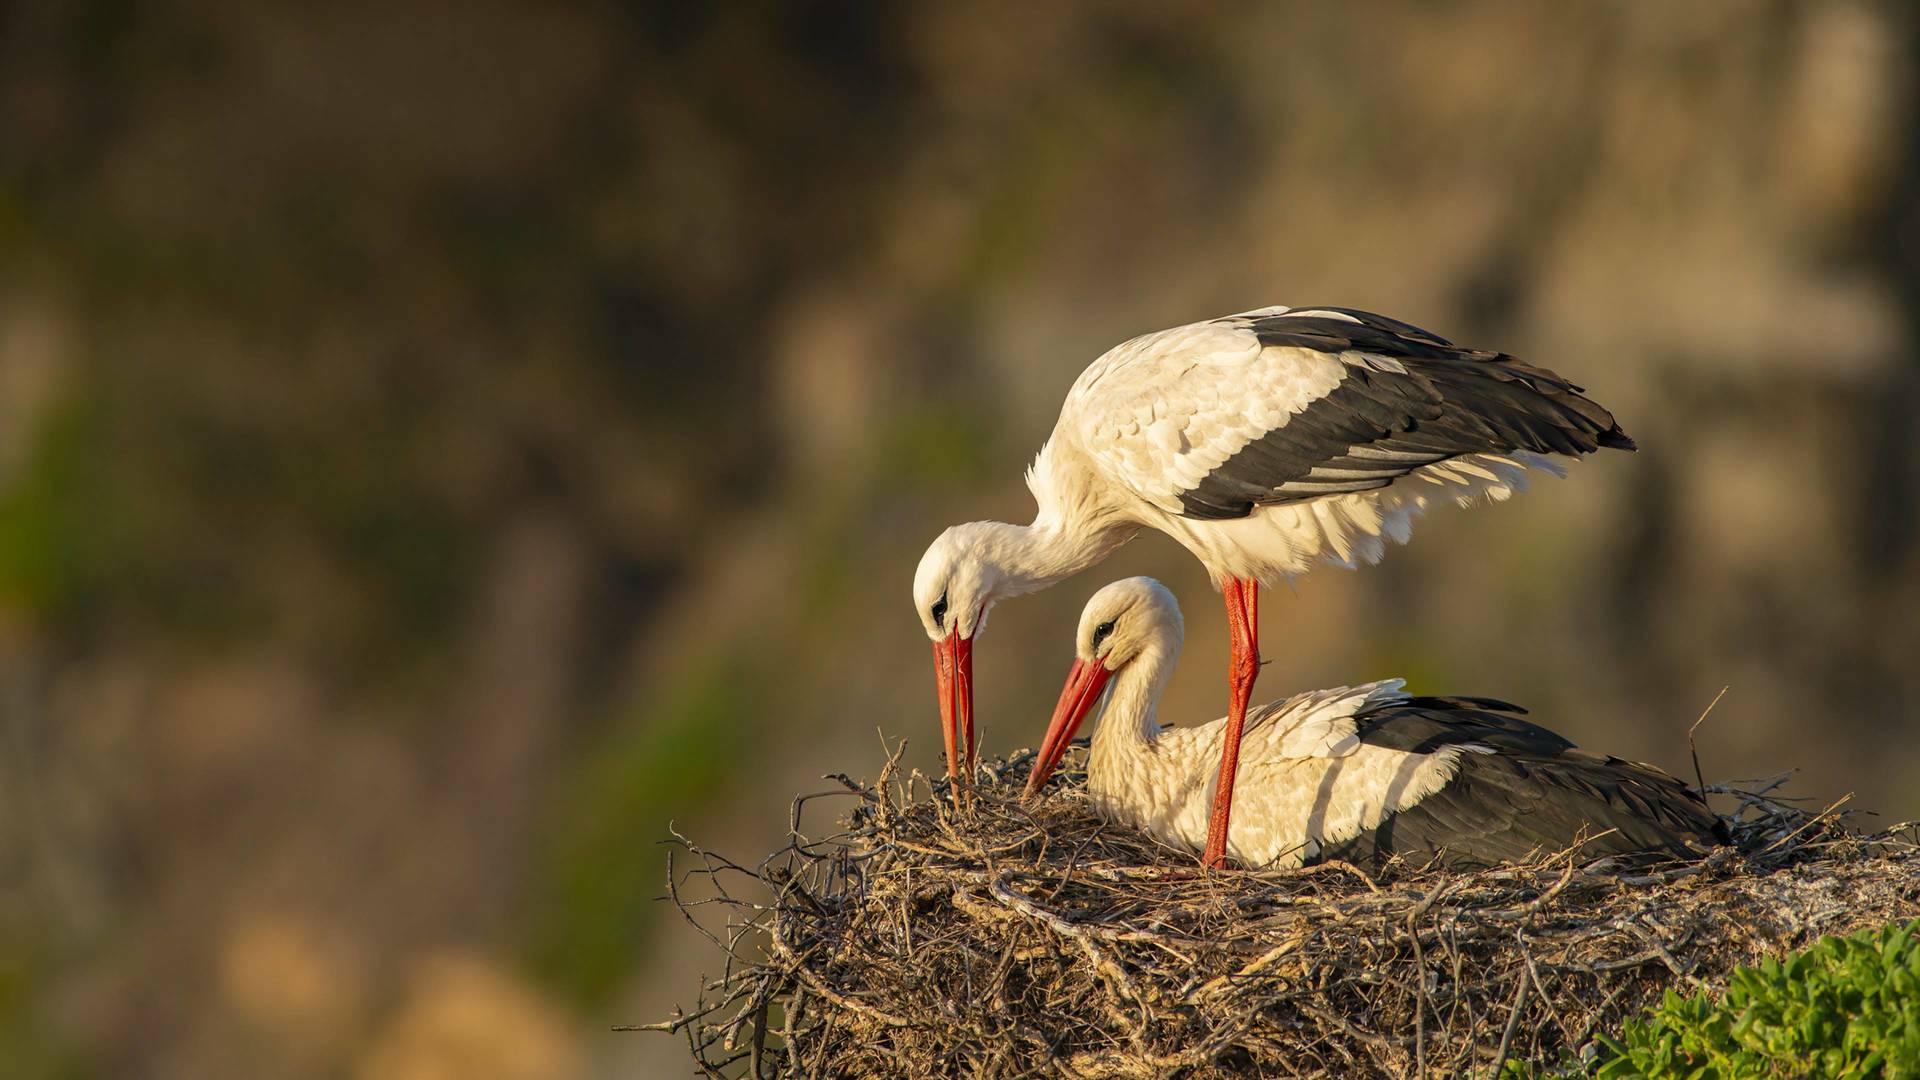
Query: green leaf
{"points": [[1844, 1007]]}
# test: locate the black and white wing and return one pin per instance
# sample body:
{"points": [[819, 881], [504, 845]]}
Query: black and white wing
{"points": [[1521, 789], [1216, 419]]}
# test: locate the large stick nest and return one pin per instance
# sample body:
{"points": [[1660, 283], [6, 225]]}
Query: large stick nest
{"points": [[1008, 940]]}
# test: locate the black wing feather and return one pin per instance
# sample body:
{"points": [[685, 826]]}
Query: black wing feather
{"points": [[1535, 792], [1377, 425]]}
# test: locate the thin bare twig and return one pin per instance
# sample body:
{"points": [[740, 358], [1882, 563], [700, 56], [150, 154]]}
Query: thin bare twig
{"points": [[1699, 780]]}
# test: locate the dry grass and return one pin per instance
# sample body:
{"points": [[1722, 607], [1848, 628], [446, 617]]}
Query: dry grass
{"points": [[1009, 940]]}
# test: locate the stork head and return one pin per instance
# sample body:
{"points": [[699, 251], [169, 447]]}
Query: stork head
{"points": [[1122, 622], [1126, 619], [958, 582], [956, 585]]}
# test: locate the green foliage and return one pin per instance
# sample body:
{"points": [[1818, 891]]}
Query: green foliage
{"points": [[1847, 1007], [606, 860], [60, 536], [28, 1043], [165, 521], [933, 446]]}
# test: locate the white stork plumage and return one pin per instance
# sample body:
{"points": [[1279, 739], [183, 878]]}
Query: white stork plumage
{"points": [[1359, 773], [1262, 442]]}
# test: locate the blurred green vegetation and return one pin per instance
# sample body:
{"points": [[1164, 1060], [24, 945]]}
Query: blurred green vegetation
{"points": [[29, 1044], [931, 448], [64, 533], [88, 538], [595, 906]]}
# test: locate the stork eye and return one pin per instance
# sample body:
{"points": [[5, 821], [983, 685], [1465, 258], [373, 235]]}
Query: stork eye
{"points": [[939, 612], [1100, 632]]}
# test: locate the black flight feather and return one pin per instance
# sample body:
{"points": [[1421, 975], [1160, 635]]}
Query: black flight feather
{"points": [[1534, 792], [1378, 425]]}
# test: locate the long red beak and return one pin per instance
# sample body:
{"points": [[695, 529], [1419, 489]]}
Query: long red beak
{"points": [[953, 669], [1084, 683]]}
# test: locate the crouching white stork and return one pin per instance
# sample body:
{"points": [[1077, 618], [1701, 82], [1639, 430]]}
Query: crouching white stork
{"points": [[1262, 442], [1357, 773]]}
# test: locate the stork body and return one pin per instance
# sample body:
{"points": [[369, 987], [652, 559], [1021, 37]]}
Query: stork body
{"points": [[1359, 773], [1263, 443]]}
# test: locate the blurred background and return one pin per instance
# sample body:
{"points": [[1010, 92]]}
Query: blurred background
{"points": [[441, 444]]}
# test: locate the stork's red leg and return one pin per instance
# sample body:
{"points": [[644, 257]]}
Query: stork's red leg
{"points": [[1243, 630]]}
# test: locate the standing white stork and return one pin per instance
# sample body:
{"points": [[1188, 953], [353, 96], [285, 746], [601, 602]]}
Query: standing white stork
{"points": [[1262, 442], [1357, 773]]}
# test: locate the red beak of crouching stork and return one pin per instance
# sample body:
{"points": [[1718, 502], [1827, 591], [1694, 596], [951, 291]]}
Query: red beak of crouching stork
{"points": [[1084, 683], [953, 670]]}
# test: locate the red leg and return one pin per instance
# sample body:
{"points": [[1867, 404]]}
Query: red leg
{"points": [[1243, 629]]}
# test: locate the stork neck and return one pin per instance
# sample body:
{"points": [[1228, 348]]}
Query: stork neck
{"points": [[1129, 725], [1032, 557]]}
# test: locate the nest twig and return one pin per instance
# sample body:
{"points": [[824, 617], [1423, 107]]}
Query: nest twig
{"points": [[1008, 940]]}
